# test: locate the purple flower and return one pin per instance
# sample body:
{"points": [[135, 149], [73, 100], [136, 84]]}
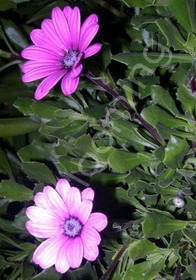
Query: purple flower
{"points": [[59, 47], [63, 216]]}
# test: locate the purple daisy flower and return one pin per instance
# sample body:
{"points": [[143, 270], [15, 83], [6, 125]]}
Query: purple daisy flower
{"points": [[59, 47], [63, 216]]}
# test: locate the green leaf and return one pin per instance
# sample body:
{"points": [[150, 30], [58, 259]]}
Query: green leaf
{"points": [[6, 5], [17, 126], [109, 179], [145, 3], [39, 171], [123, 161], [4, 164], [8, 240], [166, 177], [141, 248], [164, 99], [184, 11], [48, 274], [125, 130], [138, 270], [45, 110], [155, 115], [149, 61], [14, 191], [187, 100], [37, 150], [10, 226], [171, 33], [175, 152], [191, 235], [20, 1], [156, 267], [157, 225], [190, 206], [14, 34]]}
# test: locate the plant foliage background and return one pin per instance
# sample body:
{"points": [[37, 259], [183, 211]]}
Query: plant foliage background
{"points": [[148, 56]]}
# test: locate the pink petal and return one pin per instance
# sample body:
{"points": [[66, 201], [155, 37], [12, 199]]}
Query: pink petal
{"points": [[62, 188], [98, 221], [43, 231], [88, 193], [48, 83], [74, 25], [92, 19], [38, 53], [56, 203], [42, 216], [76, 71], [92, 50], [62, 264], [84, 211], [74, 252], [67, 12], [90, 236], [39, 38], [45, 255], [78, 60], [69, 85], [32, 65], [51, 34], [41, 201], [36, 36], [90, 252], [88, 36], [73, 200], [39, 73], [61, 27]]}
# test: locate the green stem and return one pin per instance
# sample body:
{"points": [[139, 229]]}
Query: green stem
{"points": [[124, 102]]}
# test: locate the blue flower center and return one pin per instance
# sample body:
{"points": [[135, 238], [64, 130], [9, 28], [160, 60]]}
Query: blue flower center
{"points": [[70, 58], [72, 227]]}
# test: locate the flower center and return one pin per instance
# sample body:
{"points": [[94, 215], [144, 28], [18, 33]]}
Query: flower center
{"points": [[70, 58], [72, 227]]}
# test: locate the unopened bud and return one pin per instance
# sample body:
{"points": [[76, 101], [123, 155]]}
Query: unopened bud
{"points": [[178, 202]]}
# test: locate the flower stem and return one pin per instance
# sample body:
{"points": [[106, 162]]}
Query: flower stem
{"points": [[115, 261], [177, 272], [124, 102]]}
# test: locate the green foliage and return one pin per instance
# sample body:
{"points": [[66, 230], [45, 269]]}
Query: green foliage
{"points": [[148, 57]]}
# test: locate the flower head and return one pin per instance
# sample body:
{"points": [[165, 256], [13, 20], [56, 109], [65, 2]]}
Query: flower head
{"points": [[59, 47], [63, 216]]}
